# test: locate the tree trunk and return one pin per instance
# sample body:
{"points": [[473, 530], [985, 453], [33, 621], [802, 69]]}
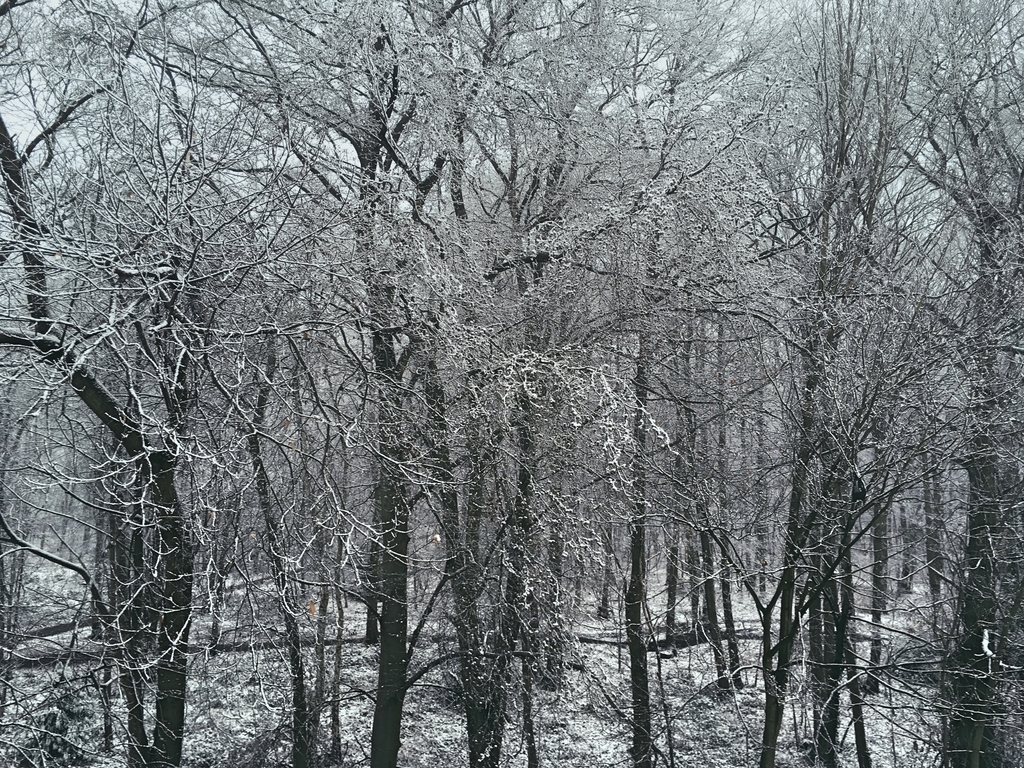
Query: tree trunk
{"points": [[322, 606], [555, 641], [933, 527], [604, 608], [483, 696], [734, 677], [125, 554], [641, 749], [392, 513], [339, 632], [850, 655], [531, 658], [777, 657], [671, 585], [730, 625], [972, 688], [833, 666], [816, 653], [385, 737], [711, 626], [176, 614], [906, 583], [371, 634], [879, 595], [970, 683], [694, 580], [302, 747]]}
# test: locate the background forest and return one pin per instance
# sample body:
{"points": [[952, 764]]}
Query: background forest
{"points": [[511, 382]]}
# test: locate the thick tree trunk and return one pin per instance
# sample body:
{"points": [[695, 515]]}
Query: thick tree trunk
{"points": [[132, 685], [972, 687], [385, 737], [302, 747], [124, 587], [641, 748], [371, 634], [392, 513], [776, 679], [513, 628], [775, 662], [833, 666], [860, 735], [176, 615], [907, 537]]}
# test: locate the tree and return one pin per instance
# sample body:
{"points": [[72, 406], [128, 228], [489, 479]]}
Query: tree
{"points": [[968, 148], [844, 224], [110, 246]]}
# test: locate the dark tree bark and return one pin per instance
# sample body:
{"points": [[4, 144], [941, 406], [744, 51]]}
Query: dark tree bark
{"points": [[392, 511], [483, 696], [906, 581], [604, 607], [514, 629], [156, 466], [555, 641], [371, 631], [817, 642], [385, 737], [972, 687], [694, 579], [849, 650], [671, 584], [392, 587], [829, 671], [935, 560], [711, 625], [641, 748], [879, 595], [732, 643], [126, 554], [776, 657]]}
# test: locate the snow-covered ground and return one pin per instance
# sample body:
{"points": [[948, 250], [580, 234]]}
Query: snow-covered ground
{"points": [[238, 704]]}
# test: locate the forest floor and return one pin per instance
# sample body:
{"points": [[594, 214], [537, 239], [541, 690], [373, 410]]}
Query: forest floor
{"points": [[238, 707]]}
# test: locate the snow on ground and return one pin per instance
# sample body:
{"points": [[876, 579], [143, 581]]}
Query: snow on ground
{"points": [[238, 705]]}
